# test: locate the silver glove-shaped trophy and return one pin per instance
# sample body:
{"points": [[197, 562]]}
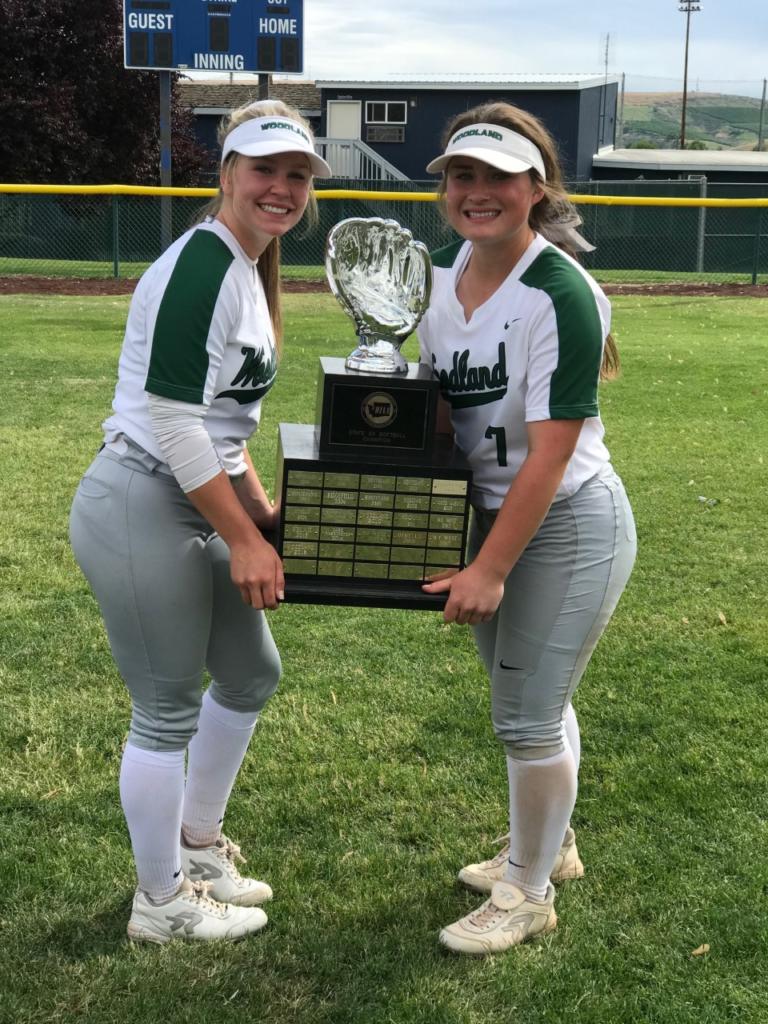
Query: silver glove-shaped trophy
{"points": [[382, 278]]}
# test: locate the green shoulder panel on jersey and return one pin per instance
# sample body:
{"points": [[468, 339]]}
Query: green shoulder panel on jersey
{"points": [[446, 256], [573, 387], [178, 365]]}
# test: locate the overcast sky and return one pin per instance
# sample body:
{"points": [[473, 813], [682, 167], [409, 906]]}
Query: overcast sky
{"points": [[368, 39]]}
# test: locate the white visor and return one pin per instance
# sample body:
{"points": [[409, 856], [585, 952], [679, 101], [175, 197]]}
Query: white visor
{"points": [[495, 145], [267, 136]]}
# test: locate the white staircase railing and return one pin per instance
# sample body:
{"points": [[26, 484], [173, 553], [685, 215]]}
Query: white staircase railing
{"points": [[352, 158]]}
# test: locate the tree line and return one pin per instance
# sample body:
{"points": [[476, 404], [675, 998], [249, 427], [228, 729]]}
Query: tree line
{"points": [[70, 112]]}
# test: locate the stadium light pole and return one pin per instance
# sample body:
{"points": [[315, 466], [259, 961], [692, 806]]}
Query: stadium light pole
{"points": [[687, 7]]}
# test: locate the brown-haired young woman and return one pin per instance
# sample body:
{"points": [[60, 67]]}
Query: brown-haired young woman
{"points": [[518, 335]]}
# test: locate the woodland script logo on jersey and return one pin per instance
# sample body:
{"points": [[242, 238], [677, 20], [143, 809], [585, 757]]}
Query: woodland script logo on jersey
{"points": [[379, 409], [255, 377], [465, 385]]}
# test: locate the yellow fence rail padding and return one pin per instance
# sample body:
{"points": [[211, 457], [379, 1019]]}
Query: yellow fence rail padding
{"points": [[664, 201], [387, 197], [108, 190], [344, 193]]}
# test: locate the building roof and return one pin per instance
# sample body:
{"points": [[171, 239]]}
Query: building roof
{"points": [[534, 83], [221, 97], [688, 160]]}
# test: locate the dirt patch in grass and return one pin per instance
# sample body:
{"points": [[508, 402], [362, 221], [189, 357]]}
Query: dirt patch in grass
{"points": [[36, 285], [679, 288], [32, 284]]}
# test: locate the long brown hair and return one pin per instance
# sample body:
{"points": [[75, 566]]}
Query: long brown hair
{"points": [[554, 211], [269, 261]]}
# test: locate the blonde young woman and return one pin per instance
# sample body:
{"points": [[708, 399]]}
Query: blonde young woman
{"points": [[167, 526], [517, 334]]}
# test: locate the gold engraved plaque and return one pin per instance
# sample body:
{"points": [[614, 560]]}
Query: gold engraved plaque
{"points": [[412, 502], [414, 485], [373, 517], [444, 486], [341, 534], [301, 514], [343, 480], [338, 515], [301, 531], [334, 568], [377, 483], [376, 499]]}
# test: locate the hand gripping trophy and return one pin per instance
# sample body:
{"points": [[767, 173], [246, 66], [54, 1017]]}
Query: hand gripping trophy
{"points": [[382, 278]]}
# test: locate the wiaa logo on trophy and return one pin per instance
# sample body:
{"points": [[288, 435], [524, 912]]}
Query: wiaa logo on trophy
{"points": [[379, 409]]}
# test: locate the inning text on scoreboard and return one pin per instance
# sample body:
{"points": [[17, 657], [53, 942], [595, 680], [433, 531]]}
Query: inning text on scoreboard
{"points": [[215, 35]]}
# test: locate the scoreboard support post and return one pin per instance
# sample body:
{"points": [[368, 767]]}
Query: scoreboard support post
{"points": [[166, 212]]}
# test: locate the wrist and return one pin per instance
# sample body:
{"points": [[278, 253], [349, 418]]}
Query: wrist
{"points": [[497, 570]]}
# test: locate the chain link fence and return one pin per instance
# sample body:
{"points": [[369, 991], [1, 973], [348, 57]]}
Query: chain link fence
{"points": [[120, 235]]}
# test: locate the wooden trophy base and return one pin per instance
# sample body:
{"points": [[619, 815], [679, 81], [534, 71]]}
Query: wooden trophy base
{"points": [[366, 528]]}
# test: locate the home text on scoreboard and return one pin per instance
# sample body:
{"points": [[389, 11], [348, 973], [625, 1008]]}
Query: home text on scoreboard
{"points": [[214, 35]]}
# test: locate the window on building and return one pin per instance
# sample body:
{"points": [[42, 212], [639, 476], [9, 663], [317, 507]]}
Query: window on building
{"points": [[386, 112]]}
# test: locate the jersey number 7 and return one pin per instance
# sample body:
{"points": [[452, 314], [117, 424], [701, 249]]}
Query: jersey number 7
{"points": [[501, 443]]}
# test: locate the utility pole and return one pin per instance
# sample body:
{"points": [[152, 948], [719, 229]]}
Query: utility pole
{"points": [[619, 140], [687, 7], [603, 95]]}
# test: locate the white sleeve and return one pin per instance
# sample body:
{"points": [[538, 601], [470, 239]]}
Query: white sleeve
{"points": [[184, 441]]}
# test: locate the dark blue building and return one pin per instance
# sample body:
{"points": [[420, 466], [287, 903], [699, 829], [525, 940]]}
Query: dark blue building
{"points": [[402, 119]]}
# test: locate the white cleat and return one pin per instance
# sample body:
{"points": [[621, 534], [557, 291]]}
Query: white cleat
{"points": [[482, 877], [505, 920], [217, 866], [191, 915]]}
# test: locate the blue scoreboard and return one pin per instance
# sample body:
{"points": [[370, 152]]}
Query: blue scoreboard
{"points": [[214, 35]]}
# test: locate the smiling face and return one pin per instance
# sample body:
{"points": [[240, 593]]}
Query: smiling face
{"points": [[263, 197], [488, 206]]}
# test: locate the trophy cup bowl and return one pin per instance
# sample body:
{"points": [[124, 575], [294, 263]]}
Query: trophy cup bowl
{"points": [[382, 279]]}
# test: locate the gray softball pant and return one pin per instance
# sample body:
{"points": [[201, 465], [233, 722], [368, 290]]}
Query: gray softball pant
{"points": [[161, 578], [557, 601]]}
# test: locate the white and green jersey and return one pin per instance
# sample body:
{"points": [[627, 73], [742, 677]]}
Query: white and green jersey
{"points": [[531, 352], [198, 331]]}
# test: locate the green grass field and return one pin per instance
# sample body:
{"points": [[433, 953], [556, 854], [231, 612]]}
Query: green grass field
{"points": [[374, 773], [298, 272], [105, 268]]}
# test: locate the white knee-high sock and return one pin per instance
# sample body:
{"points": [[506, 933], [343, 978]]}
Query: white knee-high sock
{"points": [[215, 755], [541, 797], [573, 735], [152, 792]]}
